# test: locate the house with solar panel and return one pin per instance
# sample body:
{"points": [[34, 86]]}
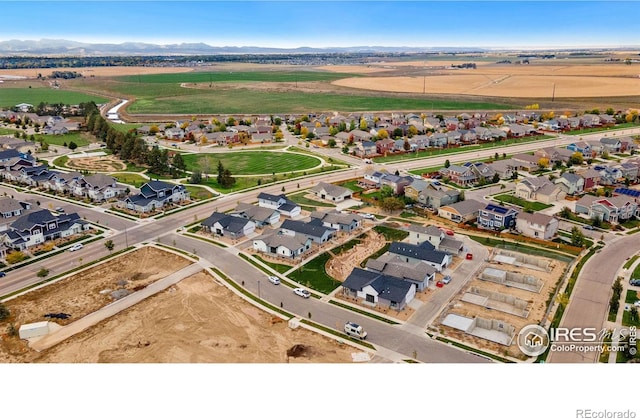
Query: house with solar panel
{"points": [[497, 218], [613, 209]]}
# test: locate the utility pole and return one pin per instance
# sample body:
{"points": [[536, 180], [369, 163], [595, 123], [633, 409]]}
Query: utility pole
{"points": [[553, 95]]}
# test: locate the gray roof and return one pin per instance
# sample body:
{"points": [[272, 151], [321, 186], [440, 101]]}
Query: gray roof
{"points": [[331, 189], [535, 218], [429, 230], [8, 204], [310, 229], [388, 287], [571, 177], [230, 223], [254, 212], [397, 268], [419, 252], [335, 217], [276, 238], [99, 180]]}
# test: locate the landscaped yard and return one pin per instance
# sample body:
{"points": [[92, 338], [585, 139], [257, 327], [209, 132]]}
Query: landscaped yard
{"points": [[199, 193], [314, 275], [136, 180], [280, 268], [247, 162], [352, 185], [631, 296], [391, 234], [508, 198]]}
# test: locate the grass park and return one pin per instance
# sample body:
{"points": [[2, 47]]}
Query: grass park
{"points": [[251, 163]]}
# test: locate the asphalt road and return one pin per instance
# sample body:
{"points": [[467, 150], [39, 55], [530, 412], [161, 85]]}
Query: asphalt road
{"points": [[391, 337]]}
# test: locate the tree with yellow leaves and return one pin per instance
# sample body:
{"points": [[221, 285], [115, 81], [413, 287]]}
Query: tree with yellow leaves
{"points": [[383, 134]]}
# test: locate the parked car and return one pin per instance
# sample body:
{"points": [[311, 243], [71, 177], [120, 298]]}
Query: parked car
{"points": [[2, 274], [469, 256], [368, 216], [446, 279], [274, 279], [75, 247], [440, 283], [301, 292], [634, 282], [589, 227], [59, 209]]}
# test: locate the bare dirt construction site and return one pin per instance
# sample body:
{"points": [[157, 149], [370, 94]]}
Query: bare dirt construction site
{"points": [[536, 304], [197, 320]]}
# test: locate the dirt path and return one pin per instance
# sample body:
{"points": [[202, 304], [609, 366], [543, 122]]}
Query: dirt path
{"points": [[340, 266]]}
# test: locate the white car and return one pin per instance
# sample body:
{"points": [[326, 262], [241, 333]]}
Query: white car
{"points": [[274, 279], [368, 216], [636, 303], [75, 247], [301, 292]]}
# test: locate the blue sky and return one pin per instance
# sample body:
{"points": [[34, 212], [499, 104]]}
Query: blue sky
{"points": [[537, 24]]}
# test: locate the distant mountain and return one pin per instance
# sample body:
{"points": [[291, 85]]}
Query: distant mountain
{"points": [[72, 48]]}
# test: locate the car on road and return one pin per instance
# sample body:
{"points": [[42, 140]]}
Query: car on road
{"points": [[446, 279], [368, 216], [274, 279], [469, 256], [2, 274], [75, 247], [589, 227], [59, 209], [440, 283], [301, 292]]}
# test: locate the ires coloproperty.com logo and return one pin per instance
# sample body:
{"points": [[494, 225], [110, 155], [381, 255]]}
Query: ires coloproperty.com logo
{"points": [[533, 340]]}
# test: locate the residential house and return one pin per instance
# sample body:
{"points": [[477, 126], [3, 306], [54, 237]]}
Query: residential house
{"points": [[461, 212], [591, 178], [360, 136], [174, 133], [344, 137], [537, 225], [526, 162], [504, 168], [372, 179], [155, 195], [279, 202], [332, 192], [365, 149], [259, 215], [613, 209], [377, 289], [583, 148], [436, 195], [397, 183], [461, 175], [424, 252], [570, 183], [344, 222], [384, 146], [278, 243], [419, 274], [10, 207], [40, 226], [97, 187], [609, 175], [230, 226], [314, 230], [539, 189], [412, 191], [497, 217], [629, 170], [611, 144], [483, 171], [588, 120]]}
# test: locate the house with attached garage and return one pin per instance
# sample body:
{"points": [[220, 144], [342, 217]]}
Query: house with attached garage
{"points": [[526, 162], [611, 144], [570, 183], [40, 226], [314, 230], [412, 191], [436, 195], [260, 216], [537, 225], [10, 207], [365, 149], [460, 175], [424, 252], [97, 187], [280, 203], [461, 212], [539, 189], [230, 226], [155, 195], [435, 236], [419, 274], [496, 217], [397, 183], [504, 168], [591, 178], [278, 243], [613, 209], [376, 289], [343, 222], [332, 192]]}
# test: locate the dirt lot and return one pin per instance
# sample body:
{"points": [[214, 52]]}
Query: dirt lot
{"points": [[96, 71], [537, 306], [105, 164], [86, 292], [196, 321]]}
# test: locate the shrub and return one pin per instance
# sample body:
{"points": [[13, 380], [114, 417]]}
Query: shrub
{"points": [[16, 257]]}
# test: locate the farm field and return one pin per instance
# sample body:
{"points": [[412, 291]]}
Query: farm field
{"points": [[12, 96], [235, 76], [250, 163], [94, 71]]}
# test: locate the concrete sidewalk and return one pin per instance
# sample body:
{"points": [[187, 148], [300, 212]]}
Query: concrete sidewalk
{"points": [[118, 306]]}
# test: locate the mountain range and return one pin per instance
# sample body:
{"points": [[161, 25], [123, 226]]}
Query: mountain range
{"points": [[73, 48]]}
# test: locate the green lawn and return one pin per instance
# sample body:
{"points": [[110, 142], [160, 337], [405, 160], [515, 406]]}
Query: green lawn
{"points": [[12, 96], [301, 200], [347, 245], [636, 272], [125, 127], [248, 162], [631, 297], [80, 138], [199, 193], [391, 234], [61, 161], [314, 275], [352, 185], [135, 180], [507, 198], [627, 321], [591, 130], [630, 262], [280, 268]]}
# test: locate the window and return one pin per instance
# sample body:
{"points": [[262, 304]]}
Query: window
{"points": [[370, 298]]}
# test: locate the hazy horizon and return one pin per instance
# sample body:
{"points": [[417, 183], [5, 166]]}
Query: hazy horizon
{"points": [[331, 24]]}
